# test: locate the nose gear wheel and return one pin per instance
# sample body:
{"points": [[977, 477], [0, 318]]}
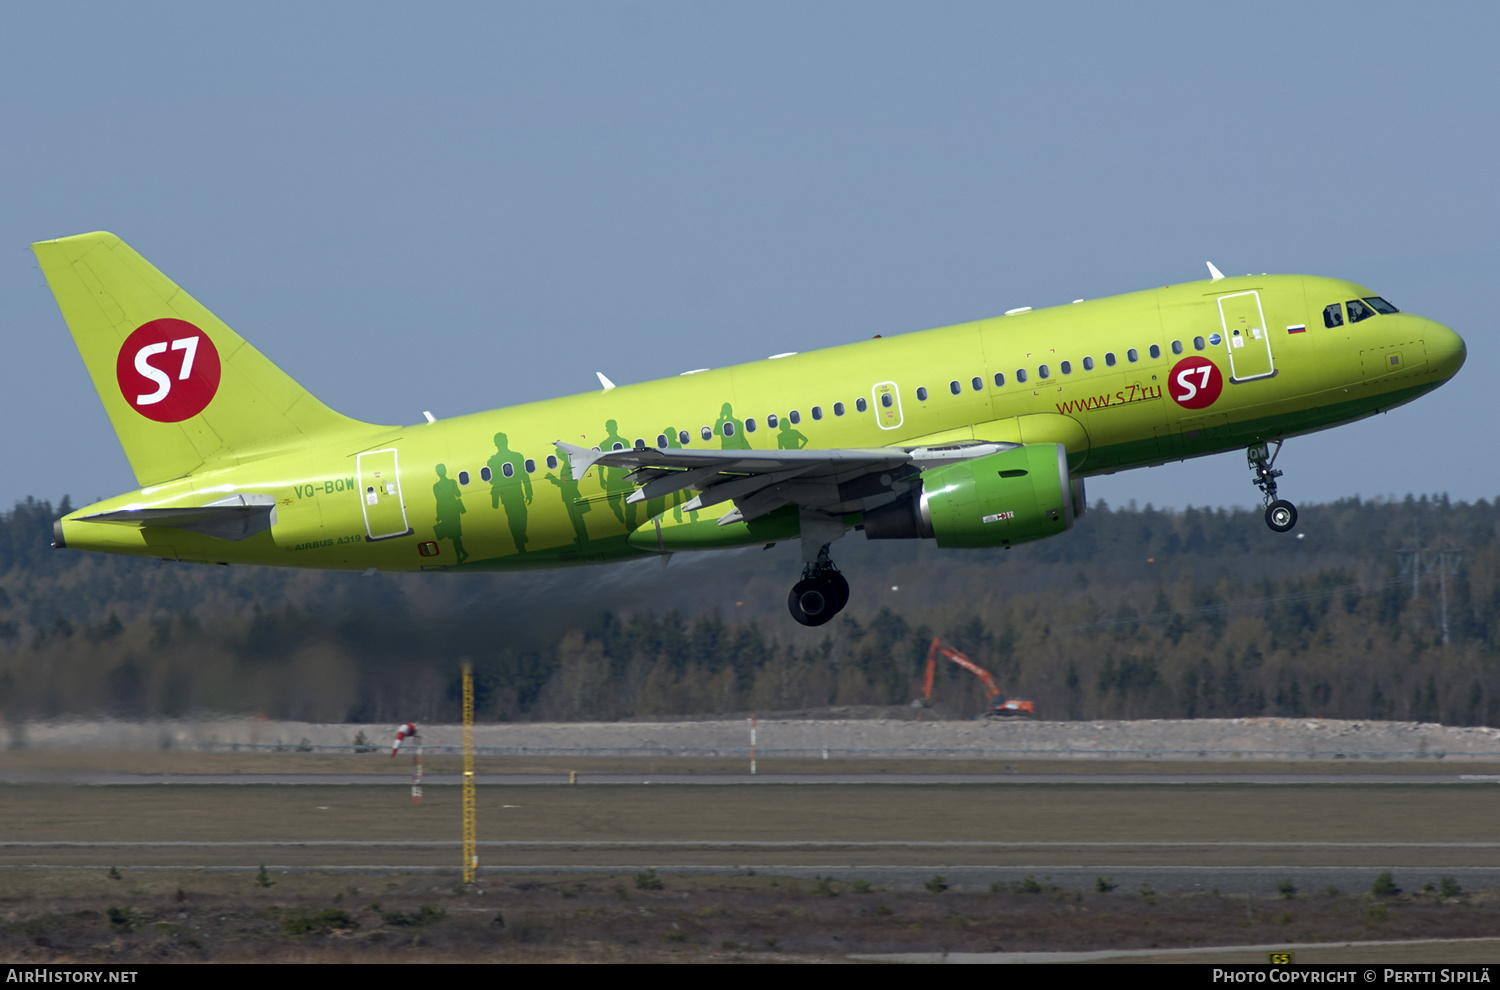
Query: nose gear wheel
{"points": [[1281, 515]]}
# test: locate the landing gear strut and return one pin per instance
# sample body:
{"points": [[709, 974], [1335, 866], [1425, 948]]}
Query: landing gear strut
{"points": [[1281, 515], [821, 594]]}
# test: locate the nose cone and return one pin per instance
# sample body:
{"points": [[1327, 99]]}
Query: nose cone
{"points": [[1445, 351]]}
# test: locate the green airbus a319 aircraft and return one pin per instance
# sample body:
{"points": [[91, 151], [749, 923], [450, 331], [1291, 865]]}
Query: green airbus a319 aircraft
{"points": [[976, 435]]}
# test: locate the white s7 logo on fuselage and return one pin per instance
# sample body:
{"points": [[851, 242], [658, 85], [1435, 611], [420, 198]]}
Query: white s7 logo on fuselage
{"points": [[1182, 381]]}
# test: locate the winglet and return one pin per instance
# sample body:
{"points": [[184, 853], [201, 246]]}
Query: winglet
{"points": [[604, 381], [1214, 271], [579, 458]]}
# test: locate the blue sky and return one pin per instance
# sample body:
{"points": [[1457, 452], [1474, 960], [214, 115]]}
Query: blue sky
{"points": [[462, 206]]}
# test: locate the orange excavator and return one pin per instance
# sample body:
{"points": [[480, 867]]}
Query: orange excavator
{"points": [[1000, 705]]}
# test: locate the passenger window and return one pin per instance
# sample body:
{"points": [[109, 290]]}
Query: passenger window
{"points": [[1197, 343], [921, 393], [1067, 367], [1088, 364], [530, 469], [484, 474], [860, 405], [794, 416], [817, 412], [661, 440], [772, 420], [885, 400], [683, 436], [1333, 316], [617, 446], [976, 383], [551, 462], [707, 433], [1109, 359], [1132, 355], [1358, 311], [955, 387], [838, 408], [463, 477], [508, 469], [999, 379], [1042, 371], [1379, 305], [729, 429], [1155, 352], [1176, 347], [640, 444], [1020, 374], [750, 425]]}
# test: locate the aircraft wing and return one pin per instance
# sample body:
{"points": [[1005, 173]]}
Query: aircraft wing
{"points": [[234, 518], [834, 482]]}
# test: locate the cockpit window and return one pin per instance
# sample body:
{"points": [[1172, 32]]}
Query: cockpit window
{"points": [[1379, 305], [1358, 311], [1333, 316]]}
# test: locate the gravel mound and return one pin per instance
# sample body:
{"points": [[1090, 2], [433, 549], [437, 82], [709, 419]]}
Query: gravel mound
{"points": [[881, 738]]}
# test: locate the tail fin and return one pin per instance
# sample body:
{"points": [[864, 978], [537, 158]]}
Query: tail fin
{"points": [[181, 388]]}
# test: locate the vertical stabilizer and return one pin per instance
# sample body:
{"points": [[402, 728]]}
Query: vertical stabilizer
{"points": [[182, 389]]}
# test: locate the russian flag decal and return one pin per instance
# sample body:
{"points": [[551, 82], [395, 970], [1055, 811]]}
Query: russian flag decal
{"points": [[1297, 328]]}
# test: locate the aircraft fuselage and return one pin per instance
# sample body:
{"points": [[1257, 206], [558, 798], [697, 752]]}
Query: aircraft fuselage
{"points": [[1120, 382]]}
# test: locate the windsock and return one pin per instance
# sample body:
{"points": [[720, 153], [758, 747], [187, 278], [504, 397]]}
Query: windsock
{"points": [[409, 730]]}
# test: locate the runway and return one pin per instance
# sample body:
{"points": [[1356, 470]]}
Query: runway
{"points": [[1240, 833], [725, 844], [106, 778]]}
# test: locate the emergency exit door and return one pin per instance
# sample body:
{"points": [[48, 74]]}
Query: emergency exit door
{"points": [[887, 405], [1246, 337], [380, 493]]}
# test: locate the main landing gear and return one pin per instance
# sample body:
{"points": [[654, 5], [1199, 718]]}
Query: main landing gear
{"points": [[821, 594], [1281, 515]]}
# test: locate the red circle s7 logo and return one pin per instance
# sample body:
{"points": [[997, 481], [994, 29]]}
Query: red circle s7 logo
{"points": [[1195, 383], [168, 370]]}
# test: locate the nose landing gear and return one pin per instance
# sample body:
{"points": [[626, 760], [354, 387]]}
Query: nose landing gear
{"points": [[821, 594], [1281, 515]]}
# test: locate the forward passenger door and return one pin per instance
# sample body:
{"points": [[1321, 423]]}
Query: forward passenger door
{"points": [[1245, 336]]}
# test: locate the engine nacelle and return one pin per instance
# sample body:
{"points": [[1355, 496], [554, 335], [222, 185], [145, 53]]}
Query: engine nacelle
{"points": [[1001, 499]]}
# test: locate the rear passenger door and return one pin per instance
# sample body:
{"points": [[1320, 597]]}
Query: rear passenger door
{"points": [[380, 495]]}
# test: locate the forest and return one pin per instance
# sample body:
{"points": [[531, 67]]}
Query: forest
{"points": [[1371, 609]]}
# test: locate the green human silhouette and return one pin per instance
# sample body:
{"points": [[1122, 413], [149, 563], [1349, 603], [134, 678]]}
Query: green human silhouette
{"points": [[568, 488], [733, 438], [788, 438], [613, 479], [450, 507], [678, 497], [514, 491]]}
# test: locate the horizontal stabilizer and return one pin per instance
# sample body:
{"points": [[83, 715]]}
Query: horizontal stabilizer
{"points": [[234, 518]]}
